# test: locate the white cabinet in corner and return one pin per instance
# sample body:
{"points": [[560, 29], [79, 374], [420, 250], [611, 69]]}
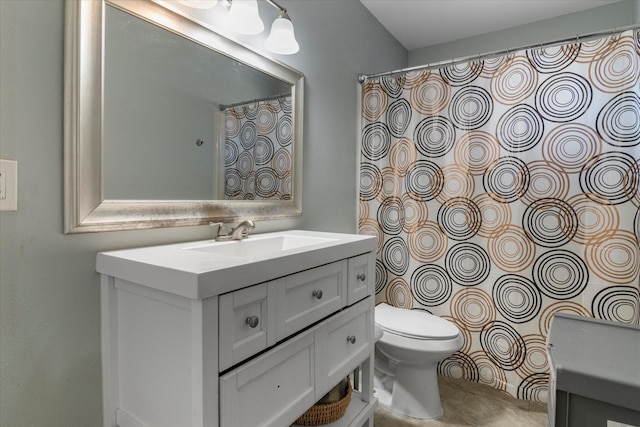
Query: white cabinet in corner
{"points": [[192, 337]]}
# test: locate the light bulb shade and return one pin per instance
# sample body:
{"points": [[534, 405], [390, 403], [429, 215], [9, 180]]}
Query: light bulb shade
{"points": [[199, 4], [243, 17], [282, 39]]}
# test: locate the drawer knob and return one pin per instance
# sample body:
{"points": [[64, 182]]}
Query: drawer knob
{"points": [[317, 293], [362, 277], [252, 321], [351, 339]]}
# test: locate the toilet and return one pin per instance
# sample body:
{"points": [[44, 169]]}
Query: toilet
{"points": [[409, 345]]}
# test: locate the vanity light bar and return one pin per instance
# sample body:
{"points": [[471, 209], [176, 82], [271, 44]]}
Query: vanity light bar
{"points": [[245, 19]]}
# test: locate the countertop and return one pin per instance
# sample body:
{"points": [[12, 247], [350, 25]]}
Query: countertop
{"points": [[182, 269]]}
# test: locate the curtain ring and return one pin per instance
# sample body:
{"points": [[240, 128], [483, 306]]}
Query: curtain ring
{"points": [[541, 49]]}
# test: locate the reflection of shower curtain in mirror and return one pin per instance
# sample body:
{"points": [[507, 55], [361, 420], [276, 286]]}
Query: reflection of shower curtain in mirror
{"points": [[503, 191], [258, 150]]}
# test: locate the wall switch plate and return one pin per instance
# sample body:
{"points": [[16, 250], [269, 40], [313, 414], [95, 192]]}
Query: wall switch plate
{"points": [[8, 185]]}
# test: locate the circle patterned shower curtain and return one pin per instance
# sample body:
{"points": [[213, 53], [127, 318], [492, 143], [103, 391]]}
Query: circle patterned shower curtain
{"points": [[503, 191]]}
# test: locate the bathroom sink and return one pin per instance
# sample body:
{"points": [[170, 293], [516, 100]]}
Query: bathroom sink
{"points": [[259, 246], [207, 268]]}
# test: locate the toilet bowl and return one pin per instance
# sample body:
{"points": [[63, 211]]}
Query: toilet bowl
{"points": [[410, 345]]}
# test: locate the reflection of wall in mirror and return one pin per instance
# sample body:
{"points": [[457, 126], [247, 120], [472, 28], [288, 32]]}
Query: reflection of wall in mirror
{"points": [[162, 93], [258, 150], [153, 116]]}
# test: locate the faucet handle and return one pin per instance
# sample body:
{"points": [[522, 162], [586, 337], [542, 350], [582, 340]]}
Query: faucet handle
{"points": [[221, 229]]}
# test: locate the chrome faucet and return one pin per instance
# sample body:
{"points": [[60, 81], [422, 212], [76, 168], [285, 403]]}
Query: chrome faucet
{"points": [[242, 230], [238, 233]]}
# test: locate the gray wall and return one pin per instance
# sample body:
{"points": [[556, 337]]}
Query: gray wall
{"points": [[49, 292], [164, 115], [598, 19]]}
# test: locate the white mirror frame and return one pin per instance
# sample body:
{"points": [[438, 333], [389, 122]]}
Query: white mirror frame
{"points": [[85, 209]]}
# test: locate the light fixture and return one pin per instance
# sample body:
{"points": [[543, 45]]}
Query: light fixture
{"points": [[244, 19], [282, 39]]}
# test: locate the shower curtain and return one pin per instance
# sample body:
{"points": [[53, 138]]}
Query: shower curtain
{"points": [[258, 150], [503, 191]]}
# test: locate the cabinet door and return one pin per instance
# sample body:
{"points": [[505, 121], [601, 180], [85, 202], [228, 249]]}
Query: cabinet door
{"points": [[360, 277], [271, 390], [247, 325], [310, 296], [346, 343]]}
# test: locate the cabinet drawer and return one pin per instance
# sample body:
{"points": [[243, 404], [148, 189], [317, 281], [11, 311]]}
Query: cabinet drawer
{"points": [[310, 296], [273, 389], [247, 323], [360, 276], [347, 341]]}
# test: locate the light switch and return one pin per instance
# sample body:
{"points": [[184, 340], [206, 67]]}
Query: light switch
{"points": [[8, 185]]}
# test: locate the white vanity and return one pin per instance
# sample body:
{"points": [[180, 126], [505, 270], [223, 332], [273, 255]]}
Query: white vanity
{"points": [[237, 334]]}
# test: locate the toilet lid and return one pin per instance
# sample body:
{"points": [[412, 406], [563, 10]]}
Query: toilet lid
{"points": [[417, 324]]}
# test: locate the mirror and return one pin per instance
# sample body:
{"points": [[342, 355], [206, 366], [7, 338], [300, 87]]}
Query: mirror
{"points": [[168, 123]]}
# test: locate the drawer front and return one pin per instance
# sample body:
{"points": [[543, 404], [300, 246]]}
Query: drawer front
{"points": [[246, 323], [360, 277], [347, 341], [272, 390], [310, 296]]}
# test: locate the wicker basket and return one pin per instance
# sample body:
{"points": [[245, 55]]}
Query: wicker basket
{"points": [[325, 413]]}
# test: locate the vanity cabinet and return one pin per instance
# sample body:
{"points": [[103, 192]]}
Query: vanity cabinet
{"points": [[248, 353], [265, 391], [292, 377]]}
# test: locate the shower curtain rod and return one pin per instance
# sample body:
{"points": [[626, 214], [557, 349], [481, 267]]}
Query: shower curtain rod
{"points": [[268, 98], [363, 77]]}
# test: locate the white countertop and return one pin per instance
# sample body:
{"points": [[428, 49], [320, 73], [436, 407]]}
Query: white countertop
{"points": [[185, 270]]}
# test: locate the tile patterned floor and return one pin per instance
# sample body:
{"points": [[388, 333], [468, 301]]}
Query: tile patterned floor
{"points": [[470, 404]]}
